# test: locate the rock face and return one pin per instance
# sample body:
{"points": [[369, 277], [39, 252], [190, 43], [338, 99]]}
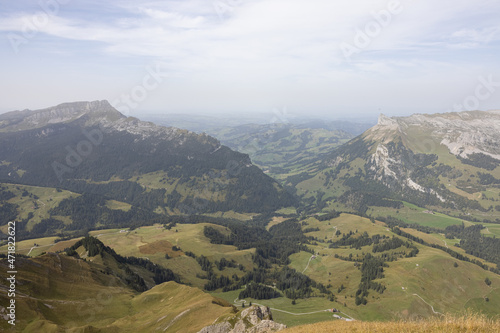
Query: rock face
{"points": [[463, 133], [399, 140], [445, 160], [255, 319]]}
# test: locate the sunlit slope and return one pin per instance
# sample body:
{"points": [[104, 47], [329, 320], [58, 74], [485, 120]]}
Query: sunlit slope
{"points": [[154, 243], [58, 293]]}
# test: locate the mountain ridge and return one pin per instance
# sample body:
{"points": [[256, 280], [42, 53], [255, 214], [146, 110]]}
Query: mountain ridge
{"points": [[445, 160], [91, 148]]}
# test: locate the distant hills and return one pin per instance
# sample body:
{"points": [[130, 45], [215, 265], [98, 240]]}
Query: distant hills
{"points": [[282, 149], [214, 124], [280, 145]]}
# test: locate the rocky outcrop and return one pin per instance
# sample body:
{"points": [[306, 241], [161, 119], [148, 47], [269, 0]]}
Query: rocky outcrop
{"points": [[255, 319]]}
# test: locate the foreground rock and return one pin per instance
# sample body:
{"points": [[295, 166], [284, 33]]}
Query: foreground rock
{"points": [[255, 319]]}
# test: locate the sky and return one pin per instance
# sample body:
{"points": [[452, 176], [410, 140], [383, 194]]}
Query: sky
{"points": [[331, 58]]}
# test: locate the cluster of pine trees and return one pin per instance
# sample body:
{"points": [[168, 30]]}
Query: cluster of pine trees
{"points": [[371, 268], [258, 291], [273, 247]]}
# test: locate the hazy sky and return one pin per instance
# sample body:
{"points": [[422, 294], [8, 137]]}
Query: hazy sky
{"points": [[340, 58]]}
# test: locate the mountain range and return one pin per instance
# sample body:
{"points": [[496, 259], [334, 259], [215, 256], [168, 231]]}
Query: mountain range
{"points": [[126, 225]]}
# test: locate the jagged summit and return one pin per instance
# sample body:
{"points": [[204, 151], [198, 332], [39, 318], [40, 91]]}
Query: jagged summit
{"points": [[62, 113], [383, 120]]}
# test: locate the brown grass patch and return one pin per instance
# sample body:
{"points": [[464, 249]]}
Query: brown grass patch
{"points": [[60, 246], [162, 246]]}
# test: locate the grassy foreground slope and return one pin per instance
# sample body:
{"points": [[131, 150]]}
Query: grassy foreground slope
{"points": [[447, 324]]}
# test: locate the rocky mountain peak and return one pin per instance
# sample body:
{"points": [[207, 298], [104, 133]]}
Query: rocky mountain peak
{"points": [[383, 120], [30, 119]]}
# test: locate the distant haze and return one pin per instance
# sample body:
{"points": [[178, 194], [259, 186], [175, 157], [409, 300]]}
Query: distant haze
{"points": [[321, 58]]}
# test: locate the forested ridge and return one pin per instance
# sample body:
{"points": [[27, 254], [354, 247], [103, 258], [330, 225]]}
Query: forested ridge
{"points": [[195, 162]]}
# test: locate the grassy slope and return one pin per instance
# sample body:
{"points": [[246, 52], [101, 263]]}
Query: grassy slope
{"points": [[60, 291], [64, 290], [153, 242], [170, 307], [47, 198]]}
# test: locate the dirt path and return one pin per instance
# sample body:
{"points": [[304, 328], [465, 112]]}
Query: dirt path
{"points": [[333, 236], [34, 247], [432, 308], [308, 263], [109, 233]]}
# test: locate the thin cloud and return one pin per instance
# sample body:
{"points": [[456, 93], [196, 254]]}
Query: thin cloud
{"points": [[268, 47]]}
